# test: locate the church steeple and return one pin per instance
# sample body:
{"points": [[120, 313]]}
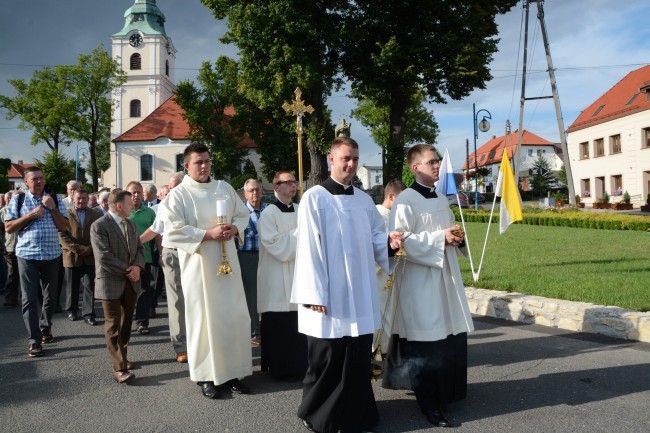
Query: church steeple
{"points": [[147, 55], [145, 17]]}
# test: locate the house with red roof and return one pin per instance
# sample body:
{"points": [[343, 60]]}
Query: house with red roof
{"points": [[16, 174], [148, 131], [609, 142], [489, 156]]}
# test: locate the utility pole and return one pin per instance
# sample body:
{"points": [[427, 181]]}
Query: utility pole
{"points": [[555, 96]]}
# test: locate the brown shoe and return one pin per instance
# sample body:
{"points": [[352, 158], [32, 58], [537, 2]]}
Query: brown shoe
{"points": [[181, 357], [123, 376], [130, 365], [256, 341]]}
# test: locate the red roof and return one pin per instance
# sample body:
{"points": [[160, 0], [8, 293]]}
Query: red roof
{"points": [[167, 121], [492, 151], [628, 96], [18, 170]]}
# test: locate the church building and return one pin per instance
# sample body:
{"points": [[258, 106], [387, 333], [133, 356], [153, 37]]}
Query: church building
{"points": [[148, 132]]}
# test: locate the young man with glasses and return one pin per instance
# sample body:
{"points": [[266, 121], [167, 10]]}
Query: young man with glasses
{"points": [[432, 316]]}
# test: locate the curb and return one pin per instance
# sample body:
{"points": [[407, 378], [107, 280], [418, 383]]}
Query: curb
{"points": [[573, 316]]}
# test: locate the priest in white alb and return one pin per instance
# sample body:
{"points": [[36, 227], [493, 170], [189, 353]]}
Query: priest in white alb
{"points": [[217, 319], [340, 237], [432, 316], [284, 349]]}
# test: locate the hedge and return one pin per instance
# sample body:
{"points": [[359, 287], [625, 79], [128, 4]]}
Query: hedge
{"points": [[565, 218]]}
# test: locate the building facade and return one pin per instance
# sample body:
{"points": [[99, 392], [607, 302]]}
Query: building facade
{"points": [[609, 143]]}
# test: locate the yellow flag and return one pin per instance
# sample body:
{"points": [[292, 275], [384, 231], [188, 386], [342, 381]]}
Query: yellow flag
{"points": [[509, 193]]}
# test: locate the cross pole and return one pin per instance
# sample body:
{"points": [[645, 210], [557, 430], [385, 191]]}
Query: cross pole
{"points": [[298, 108]]}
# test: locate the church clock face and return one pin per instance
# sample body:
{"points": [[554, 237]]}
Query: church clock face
{"points": [[135, 40]]}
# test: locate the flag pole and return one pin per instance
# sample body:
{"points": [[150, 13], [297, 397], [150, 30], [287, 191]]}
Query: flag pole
{"points": [[480, 265], [462, 220]]}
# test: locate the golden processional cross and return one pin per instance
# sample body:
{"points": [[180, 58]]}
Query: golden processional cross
{"points": [[298, 109]]}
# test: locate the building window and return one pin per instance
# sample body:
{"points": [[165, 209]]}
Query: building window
{"points": [[599, 147], [615, 144], [136, 62], [135, 108], [539, 152], [146, 168], [585, 188], [530, 152], [598, 110], [492, 154], [645, 140], [167, 67], [617, 185], [584, 150], [179, 163], [482, 158]]}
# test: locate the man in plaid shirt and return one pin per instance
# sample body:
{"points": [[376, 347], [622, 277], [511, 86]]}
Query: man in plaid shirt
{"points": [[248, 254], [38, 222]]}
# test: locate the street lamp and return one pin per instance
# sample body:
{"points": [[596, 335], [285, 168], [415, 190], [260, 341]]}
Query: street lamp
{"points": [[76, 166], [482, 126]]}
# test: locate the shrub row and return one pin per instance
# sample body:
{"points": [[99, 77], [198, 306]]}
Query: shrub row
{"points": [[570, 218]]}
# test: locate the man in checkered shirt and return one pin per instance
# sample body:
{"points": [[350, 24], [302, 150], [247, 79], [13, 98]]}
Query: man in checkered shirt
{"points": [[37, 221]]}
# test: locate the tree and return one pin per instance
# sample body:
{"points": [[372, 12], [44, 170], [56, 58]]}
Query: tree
{"points": [[205, 109], [420, 124], [5, 165], [39, 106], [540, 182], [89, 106], [284, 44], [58, 170], [393, 49]]}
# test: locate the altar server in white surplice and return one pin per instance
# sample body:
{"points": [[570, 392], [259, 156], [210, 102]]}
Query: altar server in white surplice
{"points": [[340, 237], [217, 320], [432, 317], [284, 349], [391, 191]]}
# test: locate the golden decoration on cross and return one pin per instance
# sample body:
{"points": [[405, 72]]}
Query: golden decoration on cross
{"points": [[298, 108]]}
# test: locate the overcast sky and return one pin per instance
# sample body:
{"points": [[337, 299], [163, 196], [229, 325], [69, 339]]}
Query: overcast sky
{"points": [[593, 44]]}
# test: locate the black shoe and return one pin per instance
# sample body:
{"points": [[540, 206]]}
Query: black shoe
{"points": [[34, 350], [90, 320], [238, 387], [209, 390], [307, 425], [438, 418], [47, 337], [72, 316]]}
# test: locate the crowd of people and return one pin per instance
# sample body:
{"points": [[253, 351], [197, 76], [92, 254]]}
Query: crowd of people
{"points": [[308, 283]]}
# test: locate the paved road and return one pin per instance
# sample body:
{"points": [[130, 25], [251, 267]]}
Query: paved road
{"points": [[522, 378]]}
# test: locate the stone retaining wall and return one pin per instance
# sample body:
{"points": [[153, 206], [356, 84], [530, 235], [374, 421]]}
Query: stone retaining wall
{"points": [[573, 316]]}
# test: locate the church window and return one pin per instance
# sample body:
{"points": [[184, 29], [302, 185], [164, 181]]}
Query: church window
{"points": [[146, 168], [179, 162], [135, 108], [136, 62], [167, 67]]}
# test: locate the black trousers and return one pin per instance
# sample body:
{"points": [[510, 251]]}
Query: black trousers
{"points": [[337, 394], [144, 302], [284, 349], [12, 288], [74, 279]]}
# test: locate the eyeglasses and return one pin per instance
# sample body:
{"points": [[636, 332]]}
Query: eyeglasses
{"points": [[431, 162], [286, 182], [254, 190]]}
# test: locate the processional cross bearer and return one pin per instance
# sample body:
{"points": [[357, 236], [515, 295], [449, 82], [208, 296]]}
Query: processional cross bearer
{"points": [[298, 109]]}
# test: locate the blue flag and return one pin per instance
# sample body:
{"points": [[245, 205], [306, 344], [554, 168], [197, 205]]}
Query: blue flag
{"points": [[446, 182]]}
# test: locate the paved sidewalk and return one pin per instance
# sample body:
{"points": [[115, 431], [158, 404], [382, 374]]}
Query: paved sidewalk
{"points": [[522, 378]]}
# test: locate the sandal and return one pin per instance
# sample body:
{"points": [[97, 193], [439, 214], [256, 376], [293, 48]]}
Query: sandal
{"points": [[143, 330]]}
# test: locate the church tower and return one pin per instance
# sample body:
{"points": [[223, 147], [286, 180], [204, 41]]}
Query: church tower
{"points": [[147, 56]]}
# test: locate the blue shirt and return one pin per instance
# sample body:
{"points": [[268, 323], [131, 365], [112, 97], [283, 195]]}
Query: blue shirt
{"points": [[39, 240], [251, 237]]}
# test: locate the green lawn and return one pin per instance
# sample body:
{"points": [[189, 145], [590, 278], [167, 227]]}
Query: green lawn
{"points": [[606, 267]]}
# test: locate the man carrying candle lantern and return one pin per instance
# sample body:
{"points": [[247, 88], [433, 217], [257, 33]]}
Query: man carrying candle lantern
{"points": [[204, 216]]}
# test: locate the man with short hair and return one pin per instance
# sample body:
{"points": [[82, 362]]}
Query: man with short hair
{"points": [[217, 320], [432, 316], [39, 219], [12, 285], [143, 217], [78, 259], [340, 237], [172, 279], [284, 352], [119, 260], [150, 195], [93, 201], [71, 187], [103, 201], [248, 254]]}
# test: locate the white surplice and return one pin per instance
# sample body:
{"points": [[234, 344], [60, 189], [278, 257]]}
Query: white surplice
{"points": [[429, 297], [277, 236], [217, 319], [384, 294], [340, 237]]}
